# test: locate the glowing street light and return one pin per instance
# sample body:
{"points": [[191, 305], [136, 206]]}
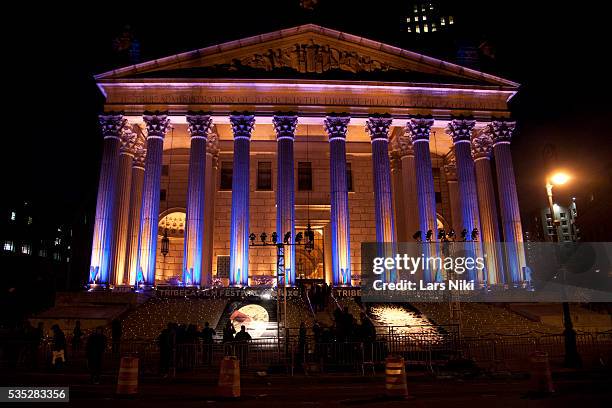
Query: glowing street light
{"points": [[559, 178]]}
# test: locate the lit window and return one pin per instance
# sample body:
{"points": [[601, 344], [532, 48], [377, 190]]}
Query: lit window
{"points": [[442, 21], [408, 19], [424, 18], [418, 29], [264, 175], [416, 18], [409, 29], [29, 220], [430, 6], [13, 215], [42, 253], [67, 259], [8, 246], [305, 176], [423, 8], [57, 256], [416, 8], [426, 28], [450, 20], [26, 249], [433, 27], [58, 241]]}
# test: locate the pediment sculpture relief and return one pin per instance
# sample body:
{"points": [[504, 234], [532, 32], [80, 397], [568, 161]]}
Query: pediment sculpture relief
{"points": [[309, 57]]}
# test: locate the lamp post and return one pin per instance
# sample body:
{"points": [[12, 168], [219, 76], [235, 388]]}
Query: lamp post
{"points": [[308, 245], [572, 358]]}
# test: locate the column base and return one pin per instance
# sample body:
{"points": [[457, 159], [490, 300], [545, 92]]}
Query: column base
{"points": [[97, 287]]}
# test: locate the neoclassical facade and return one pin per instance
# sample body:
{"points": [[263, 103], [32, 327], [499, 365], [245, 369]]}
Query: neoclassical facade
{"points": [[307, 126]]}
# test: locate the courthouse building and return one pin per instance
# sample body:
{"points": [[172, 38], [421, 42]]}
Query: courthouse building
{"points": [[361, 140]]}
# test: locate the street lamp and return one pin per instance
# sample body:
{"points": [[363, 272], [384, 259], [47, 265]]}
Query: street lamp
{"points": [[572, 358]]}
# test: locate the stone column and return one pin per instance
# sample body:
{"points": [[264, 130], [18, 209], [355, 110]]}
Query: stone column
{"points": [[198, 126], [460, 131], [210, 185], [242, 126], [124, 184], [284, 126], [336, 127], [501, 133], [101, 251], [138, 166], [378, 128], [450, 171], [482, 146], [418, 130], [398, 196], [157, 124], [408, 178]]}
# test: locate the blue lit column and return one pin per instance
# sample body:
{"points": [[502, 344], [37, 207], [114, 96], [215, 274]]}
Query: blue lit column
{"points": [[501, 133], [284, 126], [242, 126], [418, 131], [198, 126], [460, 131], [157, 125], [100, 267], [378, 128], [336, 127], [482, 146]]}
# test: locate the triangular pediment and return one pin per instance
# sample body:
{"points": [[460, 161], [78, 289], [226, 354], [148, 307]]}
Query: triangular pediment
{"points": [[307, 51]]}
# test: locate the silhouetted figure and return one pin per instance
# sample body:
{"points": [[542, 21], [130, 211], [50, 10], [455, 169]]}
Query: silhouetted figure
{"points": [[228, 338], [77, 337], [166, 343], [116, 335], [242, 338], [96, 344], [207, 340], [58, 350]]}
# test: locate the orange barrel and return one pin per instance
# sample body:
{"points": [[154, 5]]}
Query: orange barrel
{"points": [[127, 383], [229, 377], [396, 377], [541, 378]]}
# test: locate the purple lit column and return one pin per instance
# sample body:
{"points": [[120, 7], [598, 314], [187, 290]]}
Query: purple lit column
{"points": [[131, 254], [460, 131], [157, 125], [378, 128], [198, 125], [482, 146], [100, 267], [284, 126], [501, 133], [212, 163], [418, 131], [408, 178], [124, 184], [242, 126], [336, 127]]}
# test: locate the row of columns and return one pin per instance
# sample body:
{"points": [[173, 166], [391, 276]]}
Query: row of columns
{"points": [[125, 234]]}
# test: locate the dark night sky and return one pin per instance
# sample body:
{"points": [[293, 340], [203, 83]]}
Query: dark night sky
{"points": [[52, 146]]}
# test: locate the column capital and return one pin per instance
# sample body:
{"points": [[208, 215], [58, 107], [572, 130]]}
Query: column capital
{"points": [[128, 139], [198, 124], [242, 124], [285, 125], [460, 129], [212, 143], [378, 127], [336, 126], [450, 166], [140, 155], [157, 124], [112, 124], [417, 129], [405, 146], [482, 145], [395, 159], [500, 131]]}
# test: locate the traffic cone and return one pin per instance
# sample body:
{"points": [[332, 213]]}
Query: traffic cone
{"points": [[395, 383], [541, 378], [127, 382], [229, 378]]}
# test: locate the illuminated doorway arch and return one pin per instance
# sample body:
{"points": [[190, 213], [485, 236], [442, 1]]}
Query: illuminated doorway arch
{"points": [[169, 268]]}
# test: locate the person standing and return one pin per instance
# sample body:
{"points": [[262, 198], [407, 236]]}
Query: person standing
{"points": [[207, 342], [58, 350], [96, 344], [77, 337], [242, 338], [228, 338]]}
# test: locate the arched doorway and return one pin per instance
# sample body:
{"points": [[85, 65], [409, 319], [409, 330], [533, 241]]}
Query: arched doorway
{"points": [[169, 268]]}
